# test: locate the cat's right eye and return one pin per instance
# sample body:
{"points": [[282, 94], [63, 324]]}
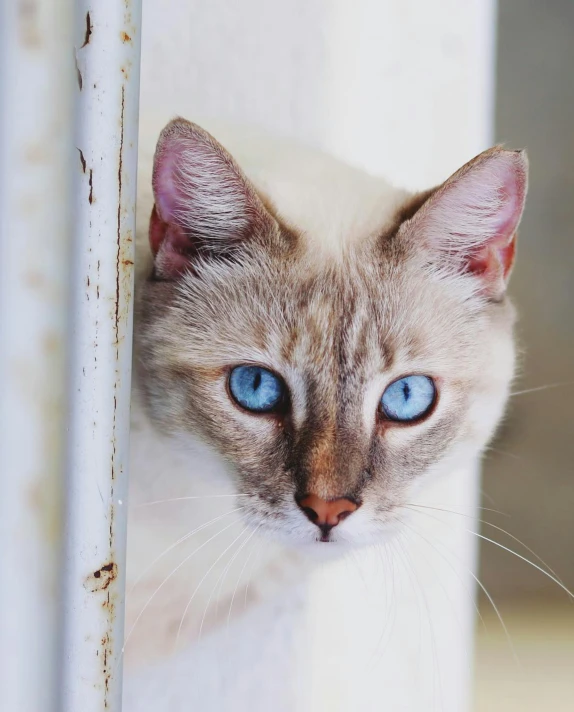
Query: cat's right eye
{"points": [[256, 389], [409, 398]]}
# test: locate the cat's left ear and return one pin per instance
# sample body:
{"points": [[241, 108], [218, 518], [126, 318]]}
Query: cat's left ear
{"points": [[470, 222], [204, 204]]}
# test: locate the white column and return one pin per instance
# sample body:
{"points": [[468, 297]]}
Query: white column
{"points": [[107, 49], [35, 124]]}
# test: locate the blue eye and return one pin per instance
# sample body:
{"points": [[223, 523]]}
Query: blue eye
{"points": [[256, 388], [409, 398]]}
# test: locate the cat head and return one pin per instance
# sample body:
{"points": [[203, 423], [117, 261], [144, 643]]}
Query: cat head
{"points": [[334, 373]]}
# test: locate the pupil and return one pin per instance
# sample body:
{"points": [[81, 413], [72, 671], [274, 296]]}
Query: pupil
{"points": [[257, 381], [406, 391]]}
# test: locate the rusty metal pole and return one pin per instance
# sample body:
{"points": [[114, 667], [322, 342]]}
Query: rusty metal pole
{"points": [[107, 52], [35, 123]]}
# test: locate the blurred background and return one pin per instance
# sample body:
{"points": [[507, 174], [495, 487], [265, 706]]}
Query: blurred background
{"points": [[529, 473]]}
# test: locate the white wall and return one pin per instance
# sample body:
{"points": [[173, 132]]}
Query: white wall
{"points": [[403, 88]]}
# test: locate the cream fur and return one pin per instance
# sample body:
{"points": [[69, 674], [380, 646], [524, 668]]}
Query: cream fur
{"points": [[335, 210]]}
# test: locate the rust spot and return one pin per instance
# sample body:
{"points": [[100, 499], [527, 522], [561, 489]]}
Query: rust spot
{"points": [[82, 160], [79, 75], [127, 262], [102, 578], [88, 33], [91, 195], [125, 37], [107, 651], [28, 24]]}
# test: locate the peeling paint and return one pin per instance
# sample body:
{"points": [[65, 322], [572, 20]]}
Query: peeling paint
{"points": [[88, 30], [79, 74], [100, 579], [82, 160]]}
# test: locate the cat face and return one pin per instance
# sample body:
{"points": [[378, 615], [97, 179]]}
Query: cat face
{"points": [[278, 353]]}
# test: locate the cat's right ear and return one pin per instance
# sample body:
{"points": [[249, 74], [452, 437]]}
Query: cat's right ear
{"points": [[204, 204], [469, 223]]}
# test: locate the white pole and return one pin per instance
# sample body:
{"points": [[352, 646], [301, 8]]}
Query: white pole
{"points": [[107, 50], [35, 124]]}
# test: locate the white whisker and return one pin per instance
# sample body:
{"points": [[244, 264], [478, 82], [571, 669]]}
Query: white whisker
{"points": [[523, 558], [494, 526], [254, 562], [503, 452], [239, 578], [452, 568], [440, 508], [241, 533], [226, 570], [483, 588], [542, 388], [166, 579], [179, 541], [436, 678], [181, 499]]}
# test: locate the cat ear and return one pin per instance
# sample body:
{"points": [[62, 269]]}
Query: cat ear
{"points": [[204, 204], [470, 221]]}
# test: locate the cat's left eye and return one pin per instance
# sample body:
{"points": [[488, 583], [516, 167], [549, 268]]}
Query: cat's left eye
{"points": [[256, 388], [408, 399]]}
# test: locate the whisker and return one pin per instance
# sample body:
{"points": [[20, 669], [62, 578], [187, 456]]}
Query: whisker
{"points": [[179, 541], [500, 529], [503, 452], [523, 558], [162, 584], [241, 533], [483, 588], [181, 499], [451, 566], [436, 667], [390, 608], [487, 497], [239, 579], [259, 544], [226, 570], [542, 388], [439, 508]]}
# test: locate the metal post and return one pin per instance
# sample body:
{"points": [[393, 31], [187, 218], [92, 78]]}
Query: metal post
{"points": [[107, 50], [35, 124]]}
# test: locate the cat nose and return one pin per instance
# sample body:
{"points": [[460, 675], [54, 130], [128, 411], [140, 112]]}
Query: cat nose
{"points": [[326, 514]]}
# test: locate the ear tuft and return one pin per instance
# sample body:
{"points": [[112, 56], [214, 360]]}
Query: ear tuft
{"points": [[203, 201], [470, 221]]}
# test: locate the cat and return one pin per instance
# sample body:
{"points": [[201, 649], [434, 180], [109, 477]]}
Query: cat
{"points": [[312, 345]]}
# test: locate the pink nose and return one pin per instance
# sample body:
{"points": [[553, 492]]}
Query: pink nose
{"points": [[326, 514]]}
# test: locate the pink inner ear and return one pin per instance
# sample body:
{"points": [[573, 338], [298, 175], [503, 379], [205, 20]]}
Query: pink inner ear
{"points": [[474, 217], [494, 260], [170, 246], [165, 189]]}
